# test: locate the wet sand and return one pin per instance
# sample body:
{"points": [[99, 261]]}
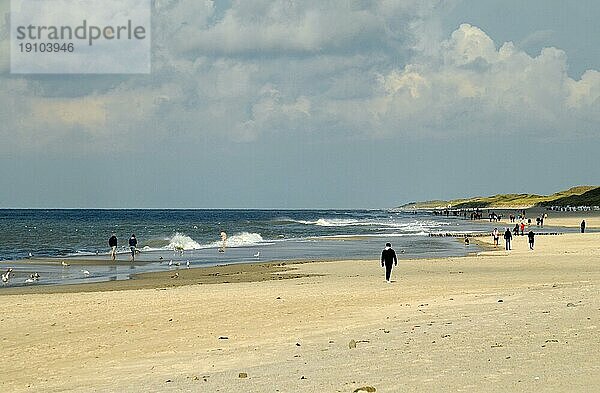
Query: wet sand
{"points": [[496, 321], [244, 272]]}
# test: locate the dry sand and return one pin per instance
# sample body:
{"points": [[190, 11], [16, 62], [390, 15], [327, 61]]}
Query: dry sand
{"points": [[573, 221], [494, 322]]}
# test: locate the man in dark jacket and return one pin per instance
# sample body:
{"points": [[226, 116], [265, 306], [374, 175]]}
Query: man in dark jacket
{"points": [[112, 243], [531, 236], [507, 238], [388, 258]]}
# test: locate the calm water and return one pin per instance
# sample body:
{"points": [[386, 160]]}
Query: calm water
{"points": [[274, 234]]}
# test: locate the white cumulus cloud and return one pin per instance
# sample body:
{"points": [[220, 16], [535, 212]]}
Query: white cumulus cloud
{"points": [[374, 69]]}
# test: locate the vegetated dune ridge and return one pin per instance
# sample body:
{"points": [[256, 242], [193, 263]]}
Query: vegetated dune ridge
{"points": [[575, 196]]}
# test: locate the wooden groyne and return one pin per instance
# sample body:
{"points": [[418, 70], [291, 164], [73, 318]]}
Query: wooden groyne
{"points": [[454, 234]]}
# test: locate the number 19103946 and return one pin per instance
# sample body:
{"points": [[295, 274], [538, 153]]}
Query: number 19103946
{"points": [[46, 47]]}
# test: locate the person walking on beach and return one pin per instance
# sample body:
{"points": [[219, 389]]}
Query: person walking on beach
{"points": [[132, 246], [112, 243], [583, 226], [507, 238], [495, 236], [531, 237], [388, 257], [522, 228]]}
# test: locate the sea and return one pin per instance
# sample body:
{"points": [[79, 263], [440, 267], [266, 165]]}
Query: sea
{"points": [[174, 239]]}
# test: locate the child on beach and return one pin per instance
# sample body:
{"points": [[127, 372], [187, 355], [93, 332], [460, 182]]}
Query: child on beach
{"points": [[495, 236]]}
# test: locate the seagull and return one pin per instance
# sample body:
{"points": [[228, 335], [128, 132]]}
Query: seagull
{"points": [[176, 275], [35, 276], [29, 280], [6, 276], [64, 263], [171, 262], [86, 272], [187, 264], [257, 255], [30, 255], [402, 251]]}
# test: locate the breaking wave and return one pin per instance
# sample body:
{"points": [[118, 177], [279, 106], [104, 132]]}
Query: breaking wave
{"points": [[180, 241]]}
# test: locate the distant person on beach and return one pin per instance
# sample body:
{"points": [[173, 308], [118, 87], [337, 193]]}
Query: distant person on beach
{"points": [[132, 246], [507, 238], [112, 243], [522, 228], [583, 226], [516, 230], [531, 237], [495, 236], [388, 257]]}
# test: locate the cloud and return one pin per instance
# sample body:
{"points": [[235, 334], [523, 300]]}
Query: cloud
{"points": [[283, 27], [344, 69], [474, 89]]}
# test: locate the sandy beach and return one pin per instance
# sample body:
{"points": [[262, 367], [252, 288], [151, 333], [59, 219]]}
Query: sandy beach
{"points": [[496, 321], [592, 220]]}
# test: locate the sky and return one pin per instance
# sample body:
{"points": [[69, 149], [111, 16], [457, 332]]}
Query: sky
{"points": [[312, 104]]}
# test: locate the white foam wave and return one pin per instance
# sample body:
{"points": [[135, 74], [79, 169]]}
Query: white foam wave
{"points": [[242, 239], [369, 235], [180, 241], [344, 222]]}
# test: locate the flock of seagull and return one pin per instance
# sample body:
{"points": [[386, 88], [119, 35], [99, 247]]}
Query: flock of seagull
{"points": [[8, 274], [35, 277]]}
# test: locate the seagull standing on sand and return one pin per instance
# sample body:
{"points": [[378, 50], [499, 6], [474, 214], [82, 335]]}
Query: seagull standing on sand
{"points": [[187, 264], [6, 276], [34, 277]]}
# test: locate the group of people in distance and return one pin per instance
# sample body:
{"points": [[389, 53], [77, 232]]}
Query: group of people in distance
{"points": [[508, 235], [112, 243]]}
